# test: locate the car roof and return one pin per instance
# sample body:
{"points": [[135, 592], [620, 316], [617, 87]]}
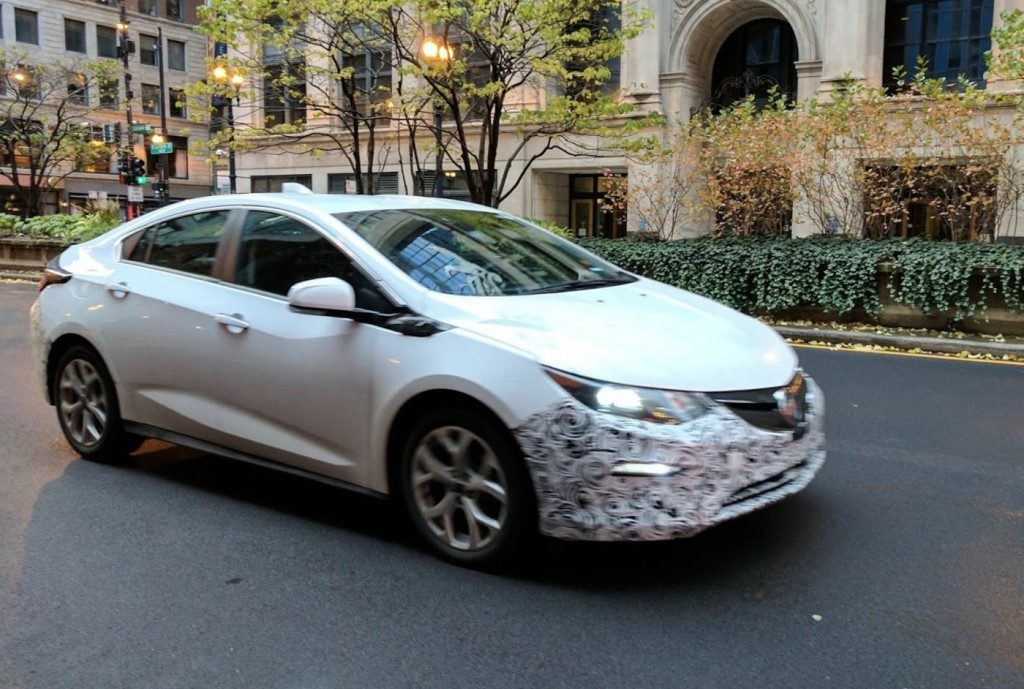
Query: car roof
{"points": [[330, 203]]}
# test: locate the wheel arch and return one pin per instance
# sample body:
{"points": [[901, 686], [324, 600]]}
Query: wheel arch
{"points": [[410, 410], [57, 350]]}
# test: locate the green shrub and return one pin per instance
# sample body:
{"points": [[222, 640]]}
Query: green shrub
{"points": [[64, 228], [765, 275], [556, 229]]}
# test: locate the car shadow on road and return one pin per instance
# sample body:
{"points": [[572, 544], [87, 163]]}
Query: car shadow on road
{"points": [[790, 529]]}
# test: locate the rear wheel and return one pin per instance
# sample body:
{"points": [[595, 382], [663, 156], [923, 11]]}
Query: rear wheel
{"points": [[87, 408], [466, 488]]}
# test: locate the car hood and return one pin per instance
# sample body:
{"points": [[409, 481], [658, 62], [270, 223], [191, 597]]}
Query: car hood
{"points": [[644, 333]]}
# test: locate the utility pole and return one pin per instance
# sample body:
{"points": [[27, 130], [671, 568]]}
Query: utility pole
{"points": [[125, 48], [165, 187]]}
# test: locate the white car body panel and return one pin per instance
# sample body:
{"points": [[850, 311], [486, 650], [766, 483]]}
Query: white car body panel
{"points": [[320, 393]]}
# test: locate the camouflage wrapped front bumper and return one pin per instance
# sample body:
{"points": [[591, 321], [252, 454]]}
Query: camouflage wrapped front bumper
{"points": [[724, 467]]}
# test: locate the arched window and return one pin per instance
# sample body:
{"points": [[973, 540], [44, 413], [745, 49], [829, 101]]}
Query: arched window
{"points": [[758, 56], [952, 35]]}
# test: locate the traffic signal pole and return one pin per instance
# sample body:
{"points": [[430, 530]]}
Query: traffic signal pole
{"points": [[125, 48], [165, 188]]}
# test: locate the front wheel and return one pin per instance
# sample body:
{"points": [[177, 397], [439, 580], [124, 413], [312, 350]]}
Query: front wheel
{"points": [[466, 488], [87, 408]]}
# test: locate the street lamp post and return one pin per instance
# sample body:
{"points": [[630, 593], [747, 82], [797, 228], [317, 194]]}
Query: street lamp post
{"points": [[436, 52], [235, 80]]}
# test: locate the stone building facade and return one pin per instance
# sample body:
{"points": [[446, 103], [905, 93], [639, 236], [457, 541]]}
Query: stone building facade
{"points": [[86, 30], [697, 52]]}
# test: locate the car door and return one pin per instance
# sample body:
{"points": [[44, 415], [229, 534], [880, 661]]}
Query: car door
{"points": [[159, 323], [298, 387]]}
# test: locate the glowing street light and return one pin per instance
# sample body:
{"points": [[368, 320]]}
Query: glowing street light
{"points": [[437, 52]]}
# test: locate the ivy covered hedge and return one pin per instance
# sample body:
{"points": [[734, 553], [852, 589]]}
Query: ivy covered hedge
{"points": [[63, 228], [766, 275]]}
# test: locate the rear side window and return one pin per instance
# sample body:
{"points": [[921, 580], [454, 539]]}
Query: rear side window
{"points": [[188, 244], [276, 252]]}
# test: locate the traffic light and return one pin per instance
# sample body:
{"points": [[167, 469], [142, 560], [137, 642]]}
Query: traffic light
{"points": [[137, 171]]}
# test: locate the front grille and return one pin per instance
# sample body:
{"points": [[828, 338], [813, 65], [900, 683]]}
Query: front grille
{"points": [[772, 409], [766, 486]]}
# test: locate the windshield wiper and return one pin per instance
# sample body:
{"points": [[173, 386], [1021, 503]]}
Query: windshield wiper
{"points": [[581, 284]]}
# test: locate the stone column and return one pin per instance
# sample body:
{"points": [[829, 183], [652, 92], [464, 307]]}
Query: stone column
{"points": [[853, 42], [641, 61], [995, 83]]}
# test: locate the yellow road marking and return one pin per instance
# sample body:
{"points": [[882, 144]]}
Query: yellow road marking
{"points": [[919, 355]]}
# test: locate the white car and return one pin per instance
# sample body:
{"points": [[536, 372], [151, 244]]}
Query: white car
{"points": [[496, 378]]}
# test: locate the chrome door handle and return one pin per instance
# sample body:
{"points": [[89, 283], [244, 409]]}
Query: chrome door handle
{"points": [[233, 322], [118, 289]]}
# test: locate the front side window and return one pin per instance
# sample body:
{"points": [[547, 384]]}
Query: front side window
{"points": [[476, 253], [277, 252], [188, 244], [26, 26], [106, 41], [952, 35]]}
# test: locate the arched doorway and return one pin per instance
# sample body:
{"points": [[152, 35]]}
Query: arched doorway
{"points": [[755, 58]]}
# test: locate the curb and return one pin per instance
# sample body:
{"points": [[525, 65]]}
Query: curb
{"points": [[939, 345], [20, 275]]}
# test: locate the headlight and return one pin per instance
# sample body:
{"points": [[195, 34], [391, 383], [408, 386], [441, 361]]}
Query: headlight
{"points": [[644, 404]]}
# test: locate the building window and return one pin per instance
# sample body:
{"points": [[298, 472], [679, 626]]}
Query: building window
{"points": [[109, 93], [74, 36], [756, 58], [272, 183], [176, 106], [345, 183], [78, 90], [151, 99], [284, 94], [940, 201], [175, 10], [106, 41], [368, 91], [147, 49], [952, 35], [590, 213], [147, 7], [607, 19], [177, 162], [176, 55], [26, 26]]}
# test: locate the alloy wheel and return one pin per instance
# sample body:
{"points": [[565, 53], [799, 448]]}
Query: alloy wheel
{"points": [[84, 406], [459, 488]]}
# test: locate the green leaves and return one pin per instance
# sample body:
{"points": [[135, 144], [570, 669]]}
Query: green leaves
{"points": [[766, 275], [65, 228]]}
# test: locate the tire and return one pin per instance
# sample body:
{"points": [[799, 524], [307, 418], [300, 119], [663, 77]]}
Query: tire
{"points": [[87, 409], [455, 465]]}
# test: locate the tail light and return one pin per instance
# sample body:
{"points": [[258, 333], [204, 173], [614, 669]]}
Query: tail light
{"points": [[53, 274]]}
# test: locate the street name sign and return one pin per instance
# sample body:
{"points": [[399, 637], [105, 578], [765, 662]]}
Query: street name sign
{"points": [[161, 149]]}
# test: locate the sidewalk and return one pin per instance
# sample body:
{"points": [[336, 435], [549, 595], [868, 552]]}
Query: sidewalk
{"points": [[951, 343]]}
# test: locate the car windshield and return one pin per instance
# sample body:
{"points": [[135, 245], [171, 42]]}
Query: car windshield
{"points": [[477, 253]]}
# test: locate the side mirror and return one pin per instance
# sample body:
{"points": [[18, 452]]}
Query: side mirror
{"points": [[332, 295]]}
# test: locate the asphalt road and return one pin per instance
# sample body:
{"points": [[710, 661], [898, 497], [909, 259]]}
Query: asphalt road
{"points": [[186, 570]]}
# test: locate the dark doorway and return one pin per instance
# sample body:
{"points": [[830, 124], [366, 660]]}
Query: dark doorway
{"points": [[757, 57], [590, 212]]}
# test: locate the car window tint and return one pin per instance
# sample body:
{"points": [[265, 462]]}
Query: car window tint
{"points": [[141, 248], [276, 252], [188, 243]]}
